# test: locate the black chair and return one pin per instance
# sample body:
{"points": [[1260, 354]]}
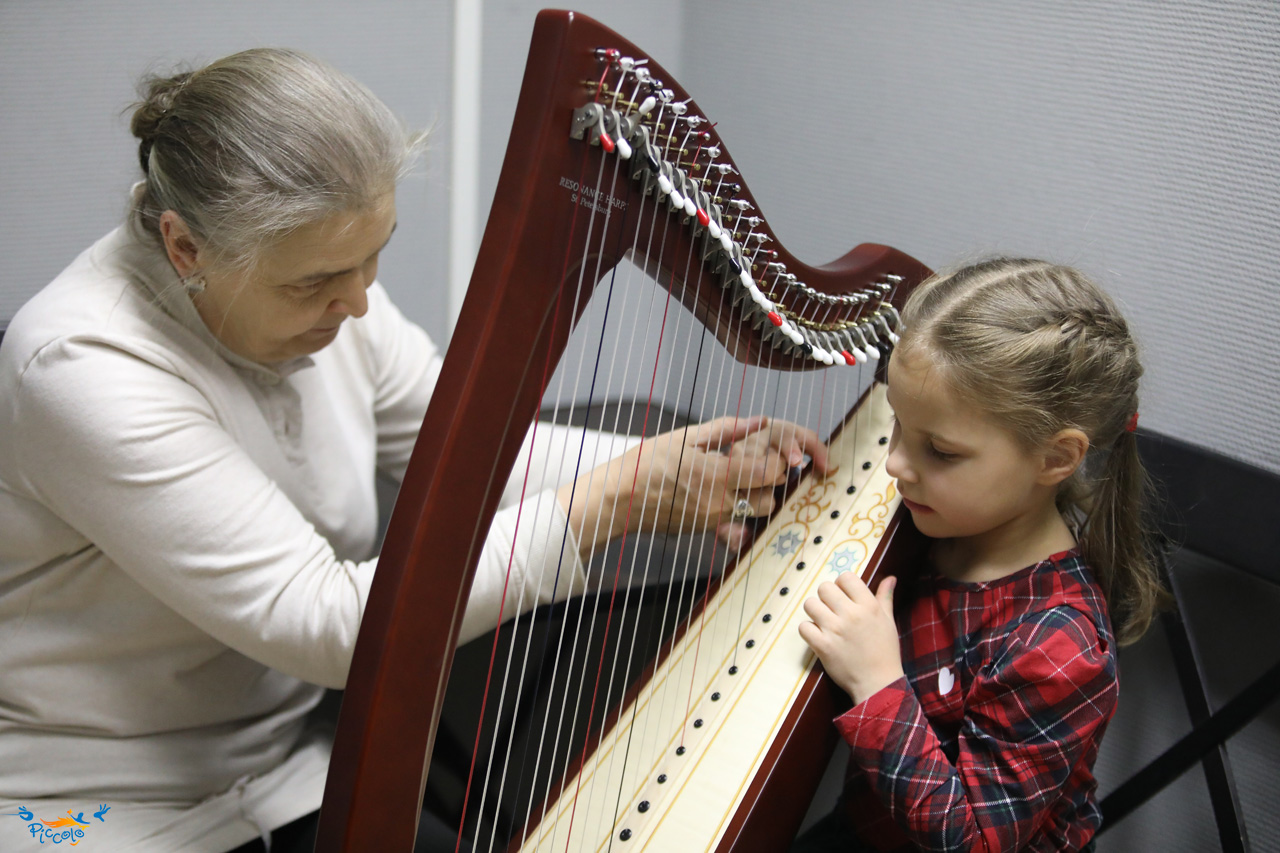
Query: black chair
{"points": [[1225, 510]]}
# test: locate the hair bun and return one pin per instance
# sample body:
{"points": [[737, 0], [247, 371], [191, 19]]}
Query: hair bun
{"points": [[159, 100]]}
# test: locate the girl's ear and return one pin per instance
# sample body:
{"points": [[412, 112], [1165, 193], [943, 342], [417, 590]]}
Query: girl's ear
{"points": [[1063, 454]]}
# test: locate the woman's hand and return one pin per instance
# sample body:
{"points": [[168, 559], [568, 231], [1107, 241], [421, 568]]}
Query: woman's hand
{"points": [[690, 480], [854, 635]]}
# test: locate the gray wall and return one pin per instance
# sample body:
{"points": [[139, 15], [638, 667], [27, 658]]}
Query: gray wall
{"points": [[67, 75], [1136, 140]]}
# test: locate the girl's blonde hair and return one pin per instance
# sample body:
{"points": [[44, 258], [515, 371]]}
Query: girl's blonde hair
{"points": [[259, 143], [1042, 348]]}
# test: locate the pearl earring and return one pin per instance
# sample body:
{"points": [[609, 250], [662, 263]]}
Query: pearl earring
{"points": [[194, 283]]}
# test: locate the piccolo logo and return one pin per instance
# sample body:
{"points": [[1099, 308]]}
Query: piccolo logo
{"points": [[69, 829]]}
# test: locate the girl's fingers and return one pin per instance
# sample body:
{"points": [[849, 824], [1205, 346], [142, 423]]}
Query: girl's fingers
{"points": [[835, 598], [855, 588], [811, 634], [816, 610], [884, 594]]}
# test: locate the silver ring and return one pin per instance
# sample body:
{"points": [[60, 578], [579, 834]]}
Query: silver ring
{"points": [[742, 509]]}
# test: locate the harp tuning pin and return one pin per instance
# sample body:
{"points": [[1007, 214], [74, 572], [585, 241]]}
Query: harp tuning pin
{"points": [[679, 107], [626, 63], [740, 204], [666, 95]]}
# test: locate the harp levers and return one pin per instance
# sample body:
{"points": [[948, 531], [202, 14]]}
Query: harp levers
{"points": [[666, 150], [670, 777]]}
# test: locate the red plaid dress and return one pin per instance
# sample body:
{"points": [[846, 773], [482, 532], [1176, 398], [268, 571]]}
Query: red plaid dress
{"points": [[988, 743]]}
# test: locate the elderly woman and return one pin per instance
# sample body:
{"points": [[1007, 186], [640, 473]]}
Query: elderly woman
{"points": [[191, 418]]}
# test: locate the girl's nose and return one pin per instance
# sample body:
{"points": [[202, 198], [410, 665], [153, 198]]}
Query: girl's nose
{"points": [[897, 465]]}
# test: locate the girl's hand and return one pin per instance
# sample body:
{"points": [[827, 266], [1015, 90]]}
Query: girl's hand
{"points": [[854, 635], [690, 480]]}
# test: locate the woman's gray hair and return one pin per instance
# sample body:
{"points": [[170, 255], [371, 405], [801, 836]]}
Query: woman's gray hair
{"points": [[259, 143]]}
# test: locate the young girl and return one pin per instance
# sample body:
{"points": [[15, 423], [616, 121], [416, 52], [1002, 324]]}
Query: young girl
{"points": [[977, 716]]}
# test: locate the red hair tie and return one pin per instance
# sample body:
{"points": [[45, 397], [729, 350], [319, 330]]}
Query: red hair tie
{"points": [[1132, 426]]}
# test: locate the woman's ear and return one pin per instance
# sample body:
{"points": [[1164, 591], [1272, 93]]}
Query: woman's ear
{"points": [[179, 244], [1064, 452]]}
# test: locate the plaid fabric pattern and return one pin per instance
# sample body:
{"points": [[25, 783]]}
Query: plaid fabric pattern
{"points": [[988, 743]]}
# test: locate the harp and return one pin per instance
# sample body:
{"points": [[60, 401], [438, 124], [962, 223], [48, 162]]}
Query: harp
{"points": [[721, 741]]}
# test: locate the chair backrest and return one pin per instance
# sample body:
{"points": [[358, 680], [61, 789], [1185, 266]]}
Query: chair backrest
{"points": [[1215, 505]]}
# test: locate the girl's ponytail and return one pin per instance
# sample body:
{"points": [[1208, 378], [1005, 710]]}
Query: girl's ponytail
{"points": [[1117, 540]]}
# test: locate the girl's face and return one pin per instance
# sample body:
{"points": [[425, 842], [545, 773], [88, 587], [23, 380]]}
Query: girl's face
{"points": [[959, 473], [302, 289]]}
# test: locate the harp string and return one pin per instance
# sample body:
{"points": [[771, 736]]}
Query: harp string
{"points": [[636, 552], [631, 645], [592, 397], [578, 635], [519, 513]]}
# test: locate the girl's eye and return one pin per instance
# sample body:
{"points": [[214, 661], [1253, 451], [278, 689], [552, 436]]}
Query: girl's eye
{"points": [[941, 454]]}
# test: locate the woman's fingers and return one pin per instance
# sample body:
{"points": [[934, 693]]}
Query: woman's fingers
{"points": [[734, 534], [759, 502], [714, 435], [793, 442]]}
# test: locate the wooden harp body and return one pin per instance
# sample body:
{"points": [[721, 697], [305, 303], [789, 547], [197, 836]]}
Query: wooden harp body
{"points": [[609, 159]]}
